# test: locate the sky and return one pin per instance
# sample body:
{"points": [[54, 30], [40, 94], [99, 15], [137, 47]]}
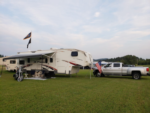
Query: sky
{"points": [[104, 28]]}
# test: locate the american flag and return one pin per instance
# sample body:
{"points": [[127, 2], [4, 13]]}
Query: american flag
{"points": [[29, 42], [98, 65], [28, 36]]}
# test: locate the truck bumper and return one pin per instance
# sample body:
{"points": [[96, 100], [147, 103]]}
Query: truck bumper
{"points": [[148, 74]]}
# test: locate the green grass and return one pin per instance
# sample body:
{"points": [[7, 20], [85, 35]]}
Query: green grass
{"points": [[75, 94]]}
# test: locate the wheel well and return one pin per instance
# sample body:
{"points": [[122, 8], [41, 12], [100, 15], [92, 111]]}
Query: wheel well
{"points": [[136, 72], [98, 71], [95, 72]]}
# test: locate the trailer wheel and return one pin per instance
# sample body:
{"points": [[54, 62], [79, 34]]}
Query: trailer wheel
{"points": [[15, 76], [49, 75], [136, 75], [98, 74], [19, 79]]}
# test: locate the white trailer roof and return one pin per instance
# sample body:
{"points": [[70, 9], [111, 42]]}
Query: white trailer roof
{"points": [[31, 55]]}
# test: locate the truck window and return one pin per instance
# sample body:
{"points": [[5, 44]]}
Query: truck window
{"points": [[124, 65], [116, 65], [108, 65]]}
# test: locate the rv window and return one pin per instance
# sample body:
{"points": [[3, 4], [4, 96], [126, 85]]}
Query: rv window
{"points": [[74, 53], [51, 60], [21, 61], [45, 60], [12, 61], [28, 60]]}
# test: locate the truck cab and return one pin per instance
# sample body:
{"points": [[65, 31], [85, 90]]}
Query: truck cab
{"points": [[120, 69]]}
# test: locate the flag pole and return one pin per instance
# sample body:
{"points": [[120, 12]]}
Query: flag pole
{"points": [[90, 74], [28, 36], [30, 47], [31, 40], [90, 70]]}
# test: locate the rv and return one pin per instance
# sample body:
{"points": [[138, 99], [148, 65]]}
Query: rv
{"points": [[10, 65], [42, 63]]}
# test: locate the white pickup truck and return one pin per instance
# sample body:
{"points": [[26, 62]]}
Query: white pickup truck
{"points": [[121, 69]]}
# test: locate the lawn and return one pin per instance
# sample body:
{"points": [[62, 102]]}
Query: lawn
{"points": [[75, 94]]}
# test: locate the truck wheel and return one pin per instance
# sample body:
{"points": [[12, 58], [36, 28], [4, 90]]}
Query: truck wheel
{"points": [[103, 75], [15, 77], [136, 75], [98, 74]]}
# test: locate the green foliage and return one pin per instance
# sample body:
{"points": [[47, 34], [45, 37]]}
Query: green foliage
{"points": [[75, 94], [130, 59], [144, 62], [1, 55]]}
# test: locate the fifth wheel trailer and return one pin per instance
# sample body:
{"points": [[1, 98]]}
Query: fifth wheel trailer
{"points": [[53, 61]]}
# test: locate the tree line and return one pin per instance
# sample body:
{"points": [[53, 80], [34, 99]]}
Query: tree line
{"points": [[130, 59], [1, 55]]}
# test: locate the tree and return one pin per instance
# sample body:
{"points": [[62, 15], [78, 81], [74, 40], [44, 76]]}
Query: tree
{"points": [[1, 55]]}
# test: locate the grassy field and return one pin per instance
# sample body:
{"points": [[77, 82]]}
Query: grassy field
{"points": [[75, 94]]}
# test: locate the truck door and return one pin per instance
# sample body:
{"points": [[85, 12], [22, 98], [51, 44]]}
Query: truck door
{"points": [[107, 69], [116, 69]]}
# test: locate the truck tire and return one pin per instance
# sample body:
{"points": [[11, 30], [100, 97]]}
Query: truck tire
{"points": [[136, 75], [98, 74]]}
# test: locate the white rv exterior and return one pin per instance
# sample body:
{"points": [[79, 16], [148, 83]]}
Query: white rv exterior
{"points": [[61, 61], [11, 65]]}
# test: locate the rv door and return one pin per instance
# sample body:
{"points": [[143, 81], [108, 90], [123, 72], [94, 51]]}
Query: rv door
{"points": [[61, 64]]}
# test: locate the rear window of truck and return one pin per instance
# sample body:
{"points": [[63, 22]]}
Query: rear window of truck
{"points": [[116, 65]]}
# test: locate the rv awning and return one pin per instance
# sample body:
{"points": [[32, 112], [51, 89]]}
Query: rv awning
{"points": [[30, 55]]}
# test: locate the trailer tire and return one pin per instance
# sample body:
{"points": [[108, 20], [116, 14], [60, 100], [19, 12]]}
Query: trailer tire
{"points": [[21, 78], [15, 76], [136, 75], [49, 75], [98, 74]]}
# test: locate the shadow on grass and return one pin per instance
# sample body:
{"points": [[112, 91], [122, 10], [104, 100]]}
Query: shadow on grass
{"points": [[70, 76], [85, 76], [125, 77]]}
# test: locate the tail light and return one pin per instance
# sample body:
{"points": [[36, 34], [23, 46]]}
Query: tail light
{"points": [[147, 69]]}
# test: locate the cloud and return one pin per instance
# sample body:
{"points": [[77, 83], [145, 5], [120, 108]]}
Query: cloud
{"points": [[117, 28], [12, 28], [92, 29], [97, 14]]}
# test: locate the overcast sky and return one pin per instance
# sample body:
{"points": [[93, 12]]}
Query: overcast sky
{"points": [[103, 28]]}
